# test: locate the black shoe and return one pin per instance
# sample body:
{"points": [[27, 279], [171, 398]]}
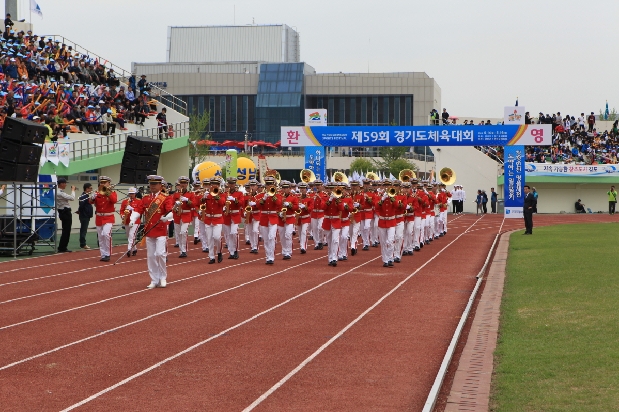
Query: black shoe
{"points": [[269, 262], [317, 246], [440, 234], [135, 252], [375, 244], [345, 258], [259, 238], [226, 246], [340, 259], [294, 232], [303, 251], [128, 254], [333, 263], [204, 250], [366, 248], [220, 257], [235, 255], [182, 255], [247, 242], [311, 238], [385, 265], [353, 252], [421, 245], [254, 251], [210, 262], [390, 263], [105, 259], [176, 245], [320, 246], [286, 257], [396, 260], [417, 248], [195, 240]]}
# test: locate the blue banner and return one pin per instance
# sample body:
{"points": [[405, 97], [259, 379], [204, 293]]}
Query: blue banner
{"points": [[315, 161], [514, 180], [365, 136]]}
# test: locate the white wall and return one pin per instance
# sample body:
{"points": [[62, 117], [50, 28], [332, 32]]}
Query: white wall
{"points": [[474, 170]]}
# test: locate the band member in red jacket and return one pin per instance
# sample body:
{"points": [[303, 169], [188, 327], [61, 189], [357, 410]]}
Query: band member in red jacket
{"points": [[306, 204], [270, 205], [356, 219], [318, 214], [235, 201], [157, 210], [443, 196], [252, 218], [366, 212], [399, 222], [285, 224], [422, 200], [104, 200], [184, 203], [346, 215], [127, 206], [386, 208], [214, 201], [332, 222]]}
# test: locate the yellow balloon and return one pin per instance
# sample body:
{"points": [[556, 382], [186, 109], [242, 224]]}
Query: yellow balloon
{"points": [[246, 170], [207, 170]]}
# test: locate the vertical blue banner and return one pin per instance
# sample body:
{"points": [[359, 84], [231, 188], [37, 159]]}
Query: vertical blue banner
{"points": [[315, 161], [513, 166]]}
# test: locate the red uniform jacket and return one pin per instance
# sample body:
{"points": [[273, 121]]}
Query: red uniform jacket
{"points": [[423, 202], [255, 212], [442, 200], [186, 208], [348, 207], [400, 201], [214, 212], [104, 208], [235, 208], [306, 211], [318, 210], [270, 206], [386, 212], [415, 209], [291, 217], [153, 207], [333, 209], [126, 217], [431, 202]]}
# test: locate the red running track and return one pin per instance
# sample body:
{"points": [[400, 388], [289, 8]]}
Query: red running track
{"points": [[299, 335]]}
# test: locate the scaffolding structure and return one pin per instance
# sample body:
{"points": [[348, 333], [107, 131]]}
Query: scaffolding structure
{"points": [[28, 218]]}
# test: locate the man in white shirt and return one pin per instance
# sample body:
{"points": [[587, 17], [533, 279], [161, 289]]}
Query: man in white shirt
{"points": [[64, 213]]}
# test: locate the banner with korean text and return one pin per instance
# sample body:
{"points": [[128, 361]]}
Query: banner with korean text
{"points": [[315, 161], [366, 136], [514, 181], [571, 170]]}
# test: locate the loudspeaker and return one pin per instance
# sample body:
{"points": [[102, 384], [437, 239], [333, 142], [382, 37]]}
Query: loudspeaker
{"points": [[13, 152], [24, 131], [12, 172], [133, 161], [143, 146], [133, 176]]}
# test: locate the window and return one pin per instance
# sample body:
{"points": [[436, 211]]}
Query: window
{"points": [[331, 110], [407, 111], [189, 100], [233, 114], [342, 119], [352, 110], [222, 114], [245, 112], [320, 104], [374, 110], [386, 119], [211, 109], [396, 110], [364, 111]]}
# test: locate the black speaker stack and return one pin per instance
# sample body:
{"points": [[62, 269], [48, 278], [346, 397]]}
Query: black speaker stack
{"points": [[141, 159], [20, 150]]}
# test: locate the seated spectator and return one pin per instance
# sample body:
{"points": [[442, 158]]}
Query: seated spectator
{"points": [[580, 207]]}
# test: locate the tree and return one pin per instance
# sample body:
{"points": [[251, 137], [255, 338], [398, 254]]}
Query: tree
{"points": [[393, 161], [361, 165], [198, 126]]}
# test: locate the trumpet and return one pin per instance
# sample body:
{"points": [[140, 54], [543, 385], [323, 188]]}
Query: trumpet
{"points": [[126, 216], [272, 191], [177, 208], [106, 190], [282, 213], [337, 193], [215, 191], [248, 209], [202, 207], [227, 208], [392, 192]]}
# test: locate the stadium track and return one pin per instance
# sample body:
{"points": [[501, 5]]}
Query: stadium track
{"points": [[245, 327]]}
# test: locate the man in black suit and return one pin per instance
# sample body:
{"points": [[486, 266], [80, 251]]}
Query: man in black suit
{"points": [[528, 209]]}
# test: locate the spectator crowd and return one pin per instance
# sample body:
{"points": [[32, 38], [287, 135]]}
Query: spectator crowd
{"points": [[46, 81]]}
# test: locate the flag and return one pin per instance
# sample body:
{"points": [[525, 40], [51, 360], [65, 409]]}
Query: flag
{"points": [[34, 7], [516, 101], [606, 113]]}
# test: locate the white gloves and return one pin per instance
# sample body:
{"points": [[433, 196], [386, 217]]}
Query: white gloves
{"points": [[167, 218], [231, 198], [129, 207], [385, 197], [184, 199], [301, 205], [356, 204], [252, 203], [408, 207], [93, 195], [205, 196], [134, 217], [331, 198], [178, 203], [286, 204]]}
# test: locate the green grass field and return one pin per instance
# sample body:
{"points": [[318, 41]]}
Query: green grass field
{"points": [[558, 347]]}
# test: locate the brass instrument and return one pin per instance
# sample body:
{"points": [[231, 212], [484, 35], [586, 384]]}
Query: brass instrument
{"points": [[126, 216], [202, 207], [227, 207], [337, 193], [371, 176], [215, 191], [272, 191], [282, 213], [392, 192], [178, 207], [339, 177], [105, 190], [307, 176], [406, 175], [273, 173], [447, 176]]}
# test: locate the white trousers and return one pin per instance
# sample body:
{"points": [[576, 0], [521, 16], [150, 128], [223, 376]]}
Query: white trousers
{"points": [[269, 234], [365, 231], [156, 252], [285, 237], [333, 241], [386, 236], [303, 235], [409, 229], [418, 231], [196, 227], [104, 234], [432, 224], [213, 239], [202, 234], [254, 234], [343, 246], [398, 240], [131, 232], [426, 229], [180, 234], [374, 237], [247, 231], [231, 233], [354, 229], [317, 231], [443, 227]]}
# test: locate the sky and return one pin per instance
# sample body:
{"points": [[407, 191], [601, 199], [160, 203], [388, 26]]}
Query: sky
{"points": [[552, 55]]}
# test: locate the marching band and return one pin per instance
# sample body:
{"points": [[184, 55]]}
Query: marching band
{"points": [[400, 215]]}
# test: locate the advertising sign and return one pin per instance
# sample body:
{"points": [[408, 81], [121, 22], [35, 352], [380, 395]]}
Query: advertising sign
{"points": [[514, 181], [315, 161], [366, 136], [566, 170]]}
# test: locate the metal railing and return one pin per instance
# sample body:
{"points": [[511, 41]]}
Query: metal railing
{"points": [[123, 75], [100, 145]]}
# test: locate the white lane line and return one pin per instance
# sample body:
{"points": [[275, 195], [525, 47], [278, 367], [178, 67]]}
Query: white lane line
{"points": [[265, 395], [10, 365], [197, 345]]}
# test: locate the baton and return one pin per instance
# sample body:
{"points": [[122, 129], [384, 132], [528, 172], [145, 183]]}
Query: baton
{"points": [[135, 242]]}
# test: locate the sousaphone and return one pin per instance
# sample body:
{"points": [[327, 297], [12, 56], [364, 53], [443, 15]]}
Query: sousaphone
{"points": [[447, 176]]}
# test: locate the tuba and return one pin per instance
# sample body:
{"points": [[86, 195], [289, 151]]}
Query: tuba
{"points": [[273, 173], [406, 175], [307, 176], [447, 176], [339, 177], [371, 176]]}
